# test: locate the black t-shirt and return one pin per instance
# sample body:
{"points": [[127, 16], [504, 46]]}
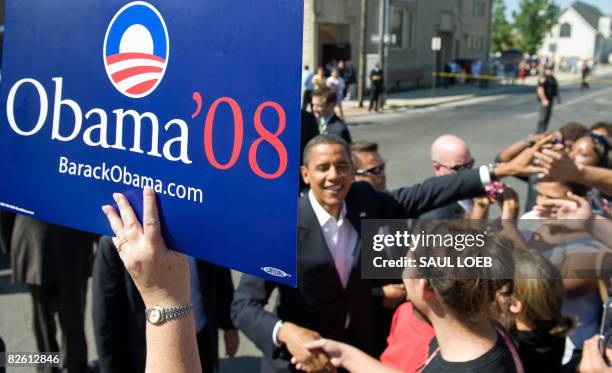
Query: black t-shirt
{"points": [[551, 88], [497, 360], [540, 351]]}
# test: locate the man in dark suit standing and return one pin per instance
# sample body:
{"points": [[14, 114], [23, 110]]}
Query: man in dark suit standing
{"points": [[119, 318], [548, 89], [377, 87], [449, 155], [323, 105], [331, 299], [55, 262], [370, 167]]}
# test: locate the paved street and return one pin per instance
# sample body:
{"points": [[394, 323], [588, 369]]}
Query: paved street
{"points": [[487, 123]]}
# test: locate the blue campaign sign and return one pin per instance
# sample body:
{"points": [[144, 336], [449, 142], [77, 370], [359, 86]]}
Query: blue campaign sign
{"points": [[198, 99]]}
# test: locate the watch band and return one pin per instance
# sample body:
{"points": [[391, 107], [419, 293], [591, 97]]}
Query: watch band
{"points": [[491, 168], [157, 315]]}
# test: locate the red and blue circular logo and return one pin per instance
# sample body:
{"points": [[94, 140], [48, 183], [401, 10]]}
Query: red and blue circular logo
{"points": [[136, 49]]}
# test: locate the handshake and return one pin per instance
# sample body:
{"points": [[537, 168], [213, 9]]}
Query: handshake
{"points": [[312, 353], [304, 346]]}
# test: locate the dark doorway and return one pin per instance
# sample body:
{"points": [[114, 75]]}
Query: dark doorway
{"points": [[338, 51]]}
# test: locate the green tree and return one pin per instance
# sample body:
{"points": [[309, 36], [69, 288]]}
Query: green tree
{"points": [[501, 29], [534, 19]]}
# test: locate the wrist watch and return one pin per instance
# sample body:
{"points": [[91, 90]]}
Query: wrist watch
{"points": [[157, 315], [492, 167]]}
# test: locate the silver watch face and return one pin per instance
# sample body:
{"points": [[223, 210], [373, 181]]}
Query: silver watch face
{"points": [[155, 316]]}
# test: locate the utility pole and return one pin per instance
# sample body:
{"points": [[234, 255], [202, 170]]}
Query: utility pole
{"points": [[382, 32], [361, 83], [385, 38], [386, 42]]}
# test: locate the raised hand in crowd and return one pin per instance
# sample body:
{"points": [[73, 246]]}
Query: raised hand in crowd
{"points": [[162, 278], [560, 167], [592, 360], [481, 207], [311, 360], [575, 207], [516, 148], [509, 203], [576, 213], [504, 195], [345, 356], [522, 164]]}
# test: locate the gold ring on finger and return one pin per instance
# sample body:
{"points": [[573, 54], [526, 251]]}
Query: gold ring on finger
{"points": [[121, 241]]}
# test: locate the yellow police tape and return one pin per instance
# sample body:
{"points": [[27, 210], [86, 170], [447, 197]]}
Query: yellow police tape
{"points": [[499, 78], [472, 76]]}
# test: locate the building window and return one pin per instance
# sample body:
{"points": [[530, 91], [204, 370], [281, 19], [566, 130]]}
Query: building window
{"points": [[409, 29], [480, 8], [565, 31], [401, 28], [460, 6], [397, 27], [476, 43]]}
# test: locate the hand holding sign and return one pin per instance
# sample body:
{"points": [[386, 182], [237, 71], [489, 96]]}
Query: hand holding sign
{"points": [[161, 275], [162, 278]]}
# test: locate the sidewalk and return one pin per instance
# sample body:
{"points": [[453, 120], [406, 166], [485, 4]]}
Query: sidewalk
{"points": [[422, 98]]}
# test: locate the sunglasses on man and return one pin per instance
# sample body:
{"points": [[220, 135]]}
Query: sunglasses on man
{"points": [[374, 170], [461, 167]]}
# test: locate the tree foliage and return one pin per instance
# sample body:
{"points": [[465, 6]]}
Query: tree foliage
{"points": [[533, 20], [501, 29]]}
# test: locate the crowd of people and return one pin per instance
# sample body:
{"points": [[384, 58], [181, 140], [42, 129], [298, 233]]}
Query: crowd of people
{"points": [[157, 309], [512, 70], [341, 78]]}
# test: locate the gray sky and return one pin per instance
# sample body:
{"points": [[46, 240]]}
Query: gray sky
{"points": [[604, 5]]}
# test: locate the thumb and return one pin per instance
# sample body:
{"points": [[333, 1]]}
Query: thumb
{"points": [[314, 345], [546, 139], [579, 200], [336, 362]]}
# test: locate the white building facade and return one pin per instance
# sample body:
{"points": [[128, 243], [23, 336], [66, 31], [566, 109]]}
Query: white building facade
{"points": [[582, 32]]}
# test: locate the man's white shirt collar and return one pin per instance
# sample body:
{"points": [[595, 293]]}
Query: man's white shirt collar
{"points": [[323, 216]]}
